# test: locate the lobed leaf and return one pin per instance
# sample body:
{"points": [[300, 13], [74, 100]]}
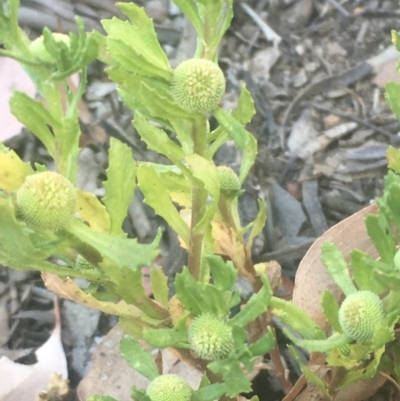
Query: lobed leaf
{"points": [[120, 184], [138, 358], [156, 196], [336, 265]]}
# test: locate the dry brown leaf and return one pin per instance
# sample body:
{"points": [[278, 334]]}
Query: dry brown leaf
{"points": [[70, 290], [24, 382], [12, 77], [312, 279]]}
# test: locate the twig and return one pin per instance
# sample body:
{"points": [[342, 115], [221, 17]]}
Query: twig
{"points": [[355, 119], [339, 8], [269, 33]]}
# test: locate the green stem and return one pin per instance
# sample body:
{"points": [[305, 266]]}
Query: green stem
{"points": [[199, 199]]}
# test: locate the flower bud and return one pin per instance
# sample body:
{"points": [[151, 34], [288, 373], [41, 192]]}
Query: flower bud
{"points": [[360, 314], [47, 201], [169, 388], [198, 85], [39, 50], [229, 181], [210, 337]]}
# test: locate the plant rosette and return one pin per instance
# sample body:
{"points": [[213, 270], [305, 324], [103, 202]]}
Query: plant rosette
{"points": [[47, 201], [198, 85]]}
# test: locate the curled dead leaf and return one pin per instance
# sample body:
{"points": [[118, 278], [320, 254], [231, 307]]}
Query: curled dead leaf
{"points": [[312, 279]]}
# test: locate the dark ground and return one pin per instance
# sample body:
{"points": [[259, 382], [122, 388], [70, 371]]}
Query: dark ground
{"points": [[322, 126]]}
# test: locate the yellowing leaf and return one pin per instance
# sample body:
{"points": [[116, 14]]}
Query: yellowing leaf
{"points": [[13, 171], [93, 212], [229, 244], [70, 290]]}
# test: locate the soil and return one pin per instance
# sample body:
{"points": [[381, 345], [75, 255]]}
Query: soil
{"points": [[316, 70]]}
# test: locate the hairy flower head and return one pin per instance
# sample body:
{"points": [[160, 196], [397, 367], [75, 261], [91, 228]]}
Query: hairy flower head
{"points": [[169, 388], [360, 314], [198, 85], [47, 201], [210, 337], [229, 181]]}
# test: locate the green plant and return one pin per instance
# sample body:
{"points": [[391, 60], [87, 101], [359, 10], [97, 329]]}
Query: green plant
{"points": [[169, 388], [171, 110]]}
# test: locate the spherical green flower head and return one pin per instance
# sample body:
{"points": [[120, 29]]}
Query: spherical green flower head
{"points": [[360, 314], [169, 388], [210, 337], [47, 201], [229, 181], [198, 85], [39, 50]]}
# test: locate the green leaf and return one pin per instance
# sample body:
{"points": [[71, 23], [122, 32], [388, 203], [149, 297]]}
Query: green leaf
{"points": [[211, 392], [164, 338], [157, 197], [101, 398], [258, 224], [263, 345], [138, 358], [224, 274], [36, 118], [128, 285], [135, 45], [331, 310], [249, 156], [233, 375], [198, 297], [364, 373], [159, 285], [183, 131], [14, 234], [235, 130], [131, 60], [336, 265], [124, 252], [393, 158], [190, 10], [296, 318], [380, 232], [245, 110], [392, 95], [157, 139], [255, 306], [335, 341], [396, 39], [178, 187], [68, 143], [149, 96], [120, 184], [205, 171], [81, 51], [364, 269]]}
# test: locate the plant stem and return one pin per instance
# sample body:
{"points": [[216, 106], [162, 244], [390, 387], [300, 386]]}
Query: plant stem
{"points": [[199, 199]]}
